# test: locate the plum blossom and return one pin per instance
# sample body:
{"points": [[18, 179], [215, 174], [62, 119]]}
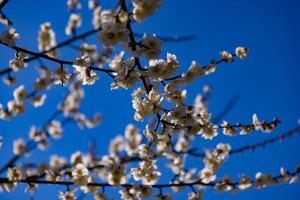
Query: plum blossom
{"points": [[9, 37]]}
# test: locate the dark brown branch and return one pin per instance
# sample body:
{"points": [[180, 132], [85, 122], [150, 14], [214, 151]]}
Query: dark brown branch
{"points": [[5, 71], [41, 55], [29, 145], [204, 67], [272, 140], [226, 110], [249, 147], [59, 45], [9, 22], [167, 185], [273, 123], [38, 55], [10, 163], [133, 45], [67, 42], [125, 159], [3, 3]]}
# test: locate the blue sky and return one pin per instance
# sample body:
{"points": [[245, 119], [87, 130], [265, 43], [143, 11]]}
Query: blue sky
{"points": [[267, 82]]}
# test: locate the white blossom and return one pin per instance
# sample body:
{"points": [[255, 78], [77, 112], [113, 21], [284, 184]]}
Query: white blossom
{"points": [[20, 94], [73, 23], [14, 174], [144, 8], [80, 174], [84, 73], [147, 172], [68, 195], [19, 147], [55, 129], [241, 52], [9, 37], [17, 63], [46, 39]]}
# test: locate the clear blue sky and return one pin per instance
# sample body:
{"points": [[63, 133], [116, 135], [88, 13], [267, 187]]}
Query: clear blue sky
{"points": [[267, 81]]}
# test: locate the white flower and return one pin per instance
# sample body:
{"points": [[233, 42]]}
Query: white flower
{"points": [[38, 100], [14, 174], [159, 69], [150, 47], [224, 185], [195, 195], [31, 187], [209, 132], [84, 73], [132, 139], [126, 195], [57, 162], [97, 17], [73, 4], [226, 56], [193, 72], [77, 158], [144, 8], [87, 77], [20, 94], [99, 196], [9, 37], [227, 129], [125, 76], [116, 145], [150, 135], [241, 52], [93, 4], [15, 108], [113, 33], [19, 147], [145, 152], [88, 49], [61, 76], [222, 151], [182, 144], [260, 180], [73, 23], [207, 175], [245, 183], [80, 174], [147, 172], [42, 83], [82, 62], [52, 175], [55, 129], [68, 195], [37, 135], [46, 39], [143, 106], [116, 175], [9, 80], [17, 63]]}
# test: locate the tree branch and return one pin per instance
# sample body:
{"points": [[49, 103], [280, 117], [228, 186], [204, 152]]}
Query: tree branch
{"points": [[3, 3], [276, 179]]}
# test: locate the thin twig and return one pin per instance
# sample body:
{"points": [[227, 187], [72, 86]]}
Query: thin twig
{"points": [[3, 3]]}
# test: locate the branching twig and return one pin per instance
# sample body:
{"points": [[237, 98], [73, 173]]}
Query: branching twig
{"points": [[226, 110], [276, 179]]}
